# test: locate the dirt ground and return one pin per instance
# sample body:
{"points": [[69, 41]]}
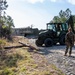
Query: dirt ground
{"points": [[50, 55], [55, 55]]}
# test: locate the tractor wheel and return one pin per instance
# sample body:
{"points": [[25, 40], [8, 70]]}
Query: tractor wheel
{"points": [[54, 43], [38, 43], [62, 40], [48, 42]]}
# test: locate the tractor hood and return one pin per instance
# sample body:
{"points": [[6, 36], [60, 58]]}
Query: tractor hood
{"points": [[43, 32]]}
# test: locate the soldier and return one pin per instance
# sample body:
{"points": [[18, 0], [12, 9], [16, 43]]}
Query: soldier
{"points": [[69, 41]]}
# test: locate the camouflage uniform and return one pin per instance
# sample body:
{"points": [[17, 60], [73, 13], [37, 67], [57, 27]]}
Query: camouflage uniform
{"points": [[69, 41]]}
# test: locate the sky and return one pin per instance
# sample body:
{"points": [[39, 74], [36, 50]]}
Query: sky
{"points": [[36, 12]]}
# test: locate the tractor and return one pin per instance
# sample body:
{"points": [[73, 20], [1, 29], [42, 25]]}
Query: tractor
{"points": [[55, 33]]}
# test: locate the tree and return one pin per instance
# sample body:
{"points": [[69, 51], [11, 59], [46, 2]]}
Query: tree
{"points": [[3, 6], [61, 13], [68, 13], [56, 19], [7, 25], [63, 16]]}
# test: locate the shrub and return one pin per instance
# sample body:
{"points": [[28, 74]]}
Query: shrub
{"points": [[12, 60], [2, 43], [6, 71]]}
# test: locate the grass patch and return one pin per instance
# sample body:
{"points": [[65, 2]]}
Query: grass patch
{"points": [[6, 71], [21, 62], [12, 60], [58, 71], [2, 43]]}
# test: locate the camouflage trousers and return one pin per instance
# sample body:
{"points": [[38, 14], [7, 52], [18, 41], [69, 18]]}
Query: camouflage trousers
{"points": [[67, 49]]}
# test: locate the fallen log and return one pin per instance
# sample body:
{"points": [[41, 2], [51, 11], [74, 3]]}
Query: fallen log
{"points": [[31, 47], [9, 47], [22, 45]]}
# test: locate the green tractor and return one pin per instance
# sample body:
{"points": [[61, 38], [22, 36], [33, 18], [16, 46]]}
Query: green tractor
{"points": [[54, 34]]}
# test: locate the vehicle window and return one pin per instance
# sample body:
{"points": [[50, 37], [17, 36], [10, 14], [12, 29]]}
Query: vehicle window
{"points": [[50, 27], [54, 29], [65, 26], [58, 27]]}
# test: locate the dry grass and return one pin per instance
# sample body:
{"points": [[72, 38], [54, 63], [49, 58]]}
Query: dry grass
{"points": [[21, 62]]}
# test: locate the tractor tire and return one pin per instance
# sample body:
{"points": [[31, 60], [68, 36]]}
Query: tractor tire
{"points": [[62, 40], [54, 43], [38, 43], [48, 42]]}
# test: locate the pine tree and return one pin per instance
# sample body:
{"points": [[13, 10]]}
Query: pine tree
{"points": [[3, 6]]}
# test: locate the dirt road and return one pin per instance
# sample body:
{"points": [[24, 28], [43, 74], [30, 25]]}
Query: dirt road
{"points": [[55, 55]]}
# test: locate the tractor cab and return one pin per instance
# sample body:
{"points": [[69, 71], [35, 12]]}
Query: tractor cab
{"points": [[57, 28]]}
